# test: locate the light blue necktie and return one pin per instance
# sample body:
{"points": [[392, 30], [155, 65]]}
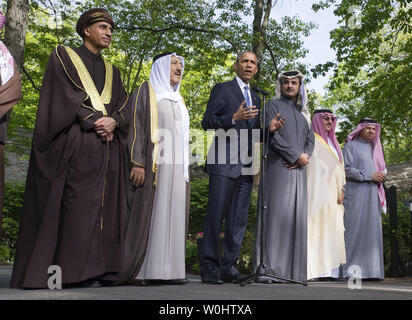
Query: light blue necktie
{"points": [[248, 103], [247, 99]]}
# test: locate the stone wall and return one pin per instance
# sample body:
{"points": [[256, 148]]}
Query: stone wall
{"points": [[16, 169], [400, 175]]}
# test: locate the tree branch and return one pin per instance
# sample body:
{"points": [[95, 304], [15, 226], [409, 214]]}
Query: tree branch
{"points": [[55, 19], [273, 57], [30, 79], [266, 17], [184, 27]]}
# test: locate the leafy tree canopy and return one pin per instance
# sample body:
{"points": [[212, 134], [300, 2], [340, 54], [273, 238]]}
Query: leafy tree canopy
{"points": [[373, 70]]}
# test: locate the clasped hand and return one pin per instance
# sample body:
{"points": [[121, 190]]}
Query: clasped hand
{"points": [[378, 177], [303, 160], [105, 127]]}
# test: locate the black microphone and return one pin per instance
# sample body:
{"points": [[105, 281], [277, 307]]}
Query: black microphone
{"points": [[257, 89]]}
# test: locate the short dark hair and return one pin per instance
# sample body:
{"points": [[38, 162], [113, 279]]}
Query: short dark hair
{"points": [[246, 51]]}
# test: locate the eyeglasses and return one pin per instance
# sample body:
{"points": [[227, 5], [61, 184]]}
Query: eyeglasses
{"points": [[328, 118]]}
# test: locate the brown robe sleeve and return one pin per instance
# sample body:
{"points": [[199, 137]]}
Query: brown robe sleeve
{"points": [[139, 132], [57, 112], [121, 113], [86, 117], [139, 200], [10, 94]]}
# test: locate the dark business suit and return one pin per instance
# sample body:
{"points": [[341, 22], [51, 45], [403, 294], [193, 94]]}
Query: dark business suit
{"points": [[229, 189]]}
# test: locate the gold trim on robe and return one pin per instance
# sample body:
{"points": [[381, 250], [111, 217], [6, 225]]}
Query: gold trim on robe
{"points": [[154, 128], [98, 101], [326, 145]]}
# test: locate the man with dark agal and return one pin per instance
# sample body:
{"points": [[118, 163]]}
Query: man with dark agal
{"points": [[325, 181], [74, 200], [364, 201], [10, 94], [285, 196]]}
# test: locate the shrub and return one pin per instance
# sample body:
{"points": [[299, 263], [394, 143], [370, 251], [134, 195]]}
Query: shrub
{"points": [[199, 194], [198, 204], [5, 257], [402, 235], [13, 203], [192, 263], [13, 199]]}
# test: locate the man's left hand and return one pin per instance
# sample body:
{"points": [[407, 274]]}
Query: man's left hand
{"points": [[109, 137], [105, 126], [303, 159], [341, 197]]}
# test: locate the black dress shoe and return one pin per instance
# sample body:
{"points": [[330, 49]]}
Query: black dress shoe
{"points": [[232, 278], [138, 282], [178, 281], [171, 281], [211, 280], [105, 283], [83, 284], [372, 280]]}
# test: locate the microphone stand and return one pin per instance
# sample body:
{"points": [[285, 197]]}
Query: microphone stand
{"points": [[261, 269]]}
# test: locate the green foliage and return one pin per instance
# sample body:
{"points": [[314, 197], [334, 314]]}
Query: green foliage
{"points": [[5, 256], [199, 194], [192, 261], [13, 203], [373, 71], [13, 199], [41, 38], [402, 235], [198, 205], [246, 254], [209, 34]]}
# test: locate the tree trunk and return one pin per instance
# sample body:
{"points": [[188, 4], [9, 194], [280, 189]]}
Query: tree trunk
{"points": [[257, 22], [15, 33], [260, 24]]}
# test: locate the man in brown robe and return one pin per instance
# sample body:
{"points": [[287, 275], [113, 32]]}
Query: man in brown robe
{"points": [[74, 199]]}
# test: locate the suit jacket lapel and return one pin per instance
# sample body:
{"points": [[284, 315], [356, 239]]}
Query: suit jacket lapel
{"points": [[254, 98], [240, 98], [238, 93]]}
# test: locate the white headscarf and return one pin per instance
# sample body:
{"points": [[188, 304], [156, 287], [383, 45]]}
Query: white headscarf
{"points": [[302, 95], [160, 81]]}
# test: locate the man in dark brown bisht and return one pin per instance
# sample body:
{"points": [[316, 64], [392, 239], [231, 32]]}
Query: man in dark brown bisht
{"points": [[74, 200], [10, 94]]}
